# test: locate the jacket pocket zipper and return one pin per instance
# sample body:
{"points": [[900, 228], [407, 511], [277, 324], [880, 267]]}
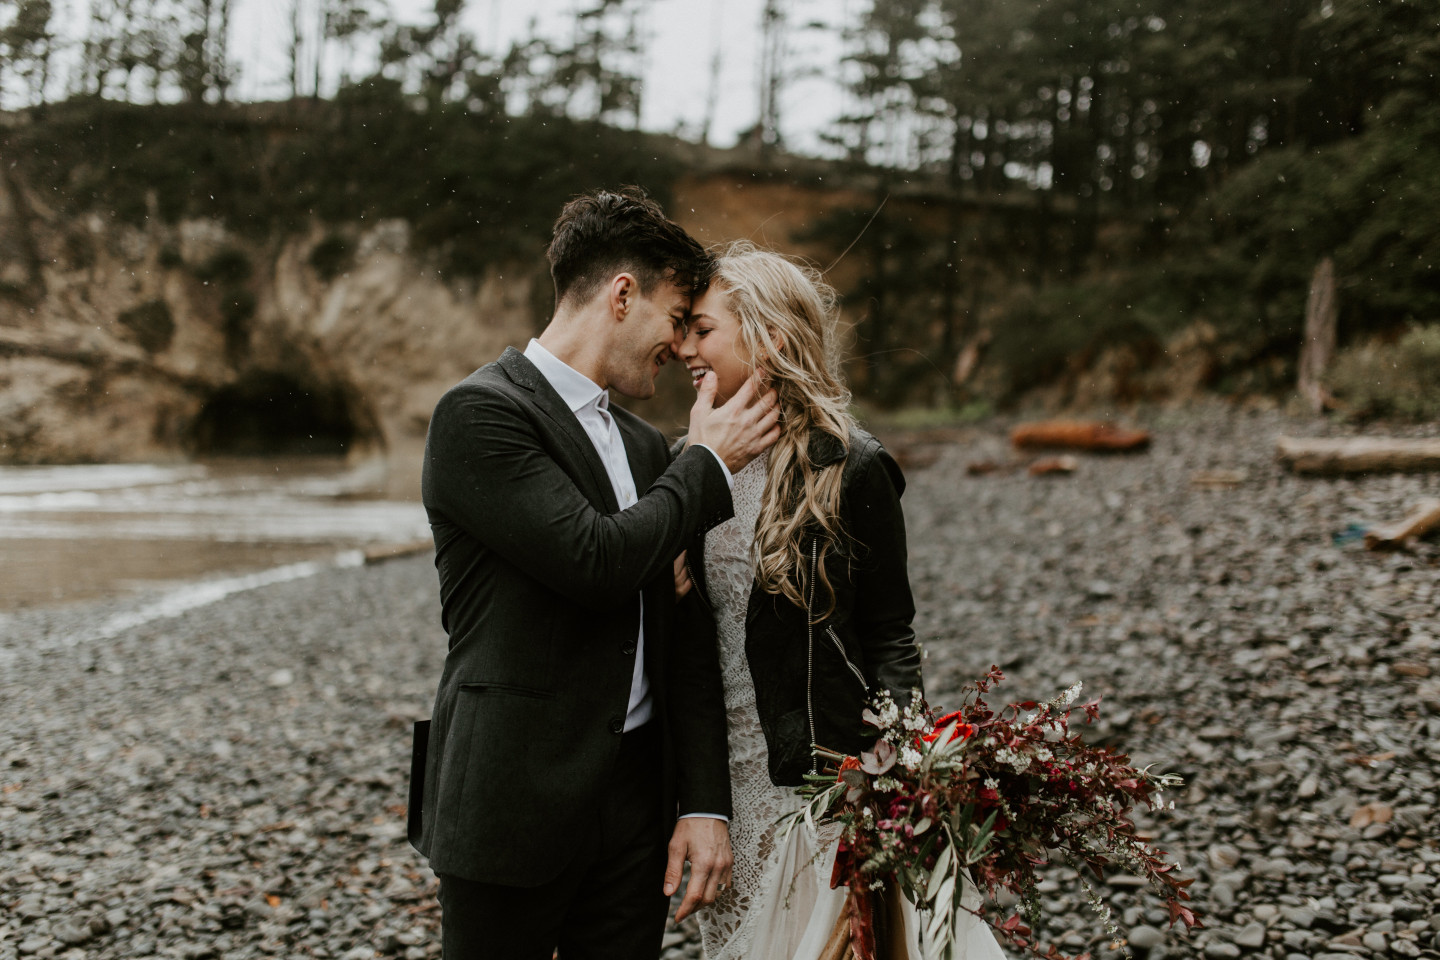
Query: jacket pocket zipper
{"points": [[810, 656], [846, 657]]}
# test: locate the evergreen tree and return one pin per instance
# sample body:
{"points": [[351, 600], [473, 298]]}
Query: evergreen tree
{"points": [[27, 45]]}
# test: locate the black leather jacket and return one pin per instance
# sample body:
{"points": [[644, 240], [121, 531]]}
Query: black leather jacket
{"points": [[811, 685]]}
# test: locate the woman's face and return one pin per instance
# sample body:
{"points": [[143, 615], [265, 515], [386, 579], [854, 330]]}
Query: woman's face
{"points": [[713, 344]]}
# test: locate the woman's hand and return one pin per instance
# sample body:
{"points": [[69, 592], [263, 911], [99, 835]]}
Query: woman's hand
{"points": [[682, 577]]}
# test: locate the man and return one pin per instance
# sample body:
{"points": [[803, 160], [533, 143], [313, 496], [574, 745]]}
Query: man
{"points": [[570, 727]]}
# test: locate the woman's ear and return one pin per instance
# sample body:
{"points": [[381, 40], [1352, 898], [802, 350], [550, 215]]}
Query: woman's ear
{"points": [[777, 338]]}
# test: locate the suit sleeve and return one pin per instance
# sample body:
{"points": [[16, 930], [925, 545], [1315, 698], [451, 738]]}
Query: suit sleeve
{"points": [[884, 606], [697, 712], [488, 472]]}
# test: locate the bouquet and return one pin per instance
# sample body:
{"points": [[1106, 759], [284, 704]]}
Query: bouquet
{"points": [[990, 796]]}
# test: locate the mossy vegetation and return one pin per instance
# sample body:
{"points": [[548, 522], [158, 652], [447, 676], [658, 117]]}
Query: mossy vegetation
{"points": [[478, 189], [1399, 378]]}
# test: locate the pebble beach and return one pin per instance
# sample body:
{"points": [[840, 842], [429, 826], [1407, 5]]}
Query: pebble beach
{"points": [[229, 779]]}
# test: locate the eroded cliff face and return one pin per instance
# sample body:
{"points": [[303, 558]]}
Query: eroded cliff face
{"points": [[118, 343], [125, 343]]}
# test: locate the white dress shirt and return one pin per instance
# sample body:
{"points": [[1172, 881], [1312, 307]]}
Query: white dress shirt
{"points": [[591, 406]]}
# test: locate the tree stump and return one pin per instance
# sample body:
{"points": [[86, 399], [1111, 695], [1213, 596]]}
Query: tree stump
{"points": [[1319, 346]]}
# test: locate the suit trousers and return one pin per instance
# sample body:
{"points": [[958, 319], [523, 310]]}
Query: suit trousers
{"points": [[606, 904]]}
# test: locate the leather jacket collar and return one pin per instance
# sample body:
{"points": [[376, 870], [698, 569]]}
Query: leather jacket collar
{"points": [[825, 448]]}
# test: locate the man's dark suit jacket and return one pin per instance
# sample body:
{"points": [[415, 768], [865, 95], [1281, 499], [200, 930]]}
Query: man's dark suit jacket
{"points": [[539, 572]]}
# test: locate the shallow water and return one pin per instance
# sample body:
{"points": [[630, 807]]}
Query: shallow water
{"points": [[79, 532]]}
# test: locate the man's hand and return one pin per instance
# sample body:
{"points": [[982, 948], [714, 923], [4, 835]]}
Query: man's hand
{"points": [[682, 576], [740, 429], [705, 842]]}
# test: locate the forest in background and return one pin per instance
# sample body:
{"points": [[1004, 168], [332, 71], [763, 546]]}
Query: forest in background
{"points": [[1162, 166]]}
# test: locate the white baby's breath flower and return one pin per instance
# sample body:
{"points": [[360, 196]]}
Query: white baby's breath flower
{"points": [[909, 757], [1017, 762]]}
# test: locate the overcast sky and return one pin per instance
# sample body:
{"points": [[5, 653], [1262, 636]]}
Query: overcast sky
{"points": [[684, 36]]}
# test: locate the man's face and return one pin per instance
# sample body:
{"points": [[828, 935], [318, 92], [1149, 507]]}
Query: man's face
{"points": [[652, 328]]}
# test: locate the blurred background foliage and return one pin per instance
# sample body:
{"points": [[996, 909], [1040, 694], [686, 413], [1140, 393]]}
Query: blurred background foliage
{"points": [[1043, 182]]}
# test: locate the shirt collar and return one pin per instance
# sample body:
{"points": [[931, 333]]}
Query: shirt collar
{"points": [[577, 390]]}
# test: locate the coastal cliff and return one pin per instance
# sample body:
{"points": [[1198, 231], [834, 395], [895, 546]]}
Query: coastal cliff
{"points": [[158, 340], [124, 343]]}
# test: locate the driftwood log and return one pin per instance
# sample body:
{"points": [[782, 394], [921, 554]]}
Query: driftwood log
{"points": [[1077, 435], [1053, 466], [1420, 521], [1358, 455], [394, 551]]}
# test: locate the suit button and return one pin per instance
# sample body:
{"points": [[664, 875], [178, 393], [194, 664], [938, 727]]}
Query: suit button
{"points": [[617, 724], [628, 649]]}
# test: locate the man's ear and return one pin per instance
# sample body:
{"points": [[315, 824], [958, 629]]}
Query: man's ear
{"points": [[624, 289]]}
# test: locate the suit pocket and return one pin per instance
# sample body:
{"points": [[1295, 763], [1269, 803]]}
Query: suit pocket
{"points": [[487, 761], [507, 689]]}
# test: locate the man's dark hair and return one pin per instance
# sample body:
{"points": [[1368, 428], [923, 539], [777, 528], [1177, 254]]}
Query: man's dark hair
{"points": [[607, 232]]}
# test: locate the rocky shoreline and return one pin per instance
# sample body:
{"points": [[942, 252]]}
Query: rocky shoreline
{"points": [[231, 782]]}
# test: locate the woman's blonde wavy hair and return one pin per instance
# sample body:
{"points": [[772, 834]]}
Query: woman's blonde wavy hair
{"points": [[788, 324]]}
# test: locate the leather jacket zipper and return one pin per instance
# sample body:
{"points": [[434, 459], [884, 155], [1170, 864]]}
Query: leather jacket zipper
{"points": [[810, 656], [846, 657]]}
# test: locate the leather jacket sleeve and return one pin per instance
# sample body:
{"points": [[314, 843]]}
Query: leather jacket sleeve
{"points": [[884, 607]]}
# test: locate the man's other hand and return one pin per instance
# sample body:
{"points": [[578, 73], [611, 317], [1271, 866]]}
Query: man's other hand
{"points": [[705, 842], [682, 576]]}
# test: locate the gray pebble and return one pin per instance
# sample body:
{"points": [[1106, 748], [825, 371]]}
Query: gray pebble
{"points": [[1302, 917], [1251, 936], [1145, 937]]}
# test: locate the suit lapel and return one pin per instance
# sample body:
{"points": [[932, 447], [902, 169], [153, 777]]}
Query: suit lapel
{"points": [[568, 429]]}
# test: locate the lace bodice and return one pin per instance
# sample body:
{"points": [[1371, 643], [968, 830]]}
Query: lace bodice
{"points": [[757, 803]]}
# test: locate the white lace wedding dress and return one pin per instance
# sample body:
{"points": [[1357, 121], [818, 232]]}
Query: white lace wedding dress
{"points": [[779, 905]]}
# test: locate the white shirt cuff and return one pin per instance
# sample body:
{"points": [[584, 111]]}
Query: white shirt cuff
{"points": [[729, 478], [708, 816]]}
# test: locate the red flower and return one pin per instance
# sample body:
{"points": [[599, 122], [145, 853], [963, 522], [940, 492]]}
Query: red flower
{"points": [[962, 730]]}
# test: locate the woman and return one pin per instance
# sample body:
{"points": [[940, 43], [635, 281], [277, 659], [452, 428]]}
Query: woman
{"points": [[806, 592]]}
